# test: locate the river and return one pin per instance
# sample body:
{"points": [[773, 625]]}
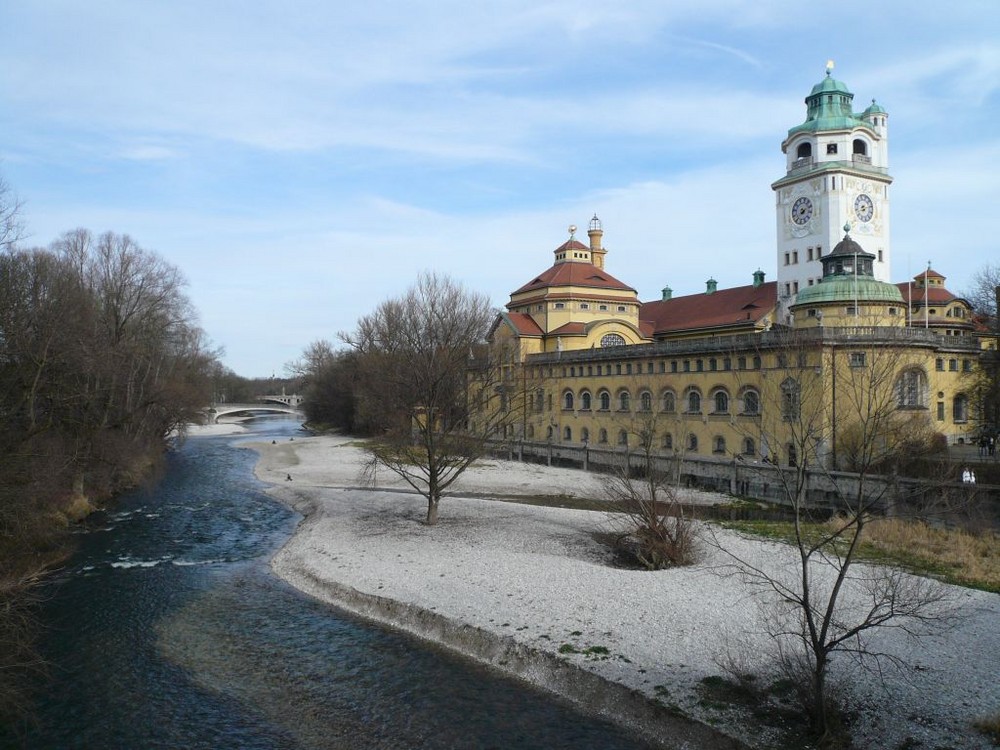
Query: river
{"points": [[167, 629]]}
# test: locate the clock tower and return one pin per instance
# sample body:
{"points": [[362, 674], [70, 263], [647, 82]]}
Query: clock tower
{"points": [[837, 165]]}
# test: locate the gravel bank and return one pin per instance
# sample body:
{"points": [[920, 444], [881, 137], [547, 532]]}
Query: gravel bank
{"points": [[528, 590]]}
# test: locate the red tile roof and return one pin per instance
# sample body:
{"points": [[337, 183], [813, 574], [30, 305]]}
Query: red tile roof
{"points": [[523, 323], [935, 295], [724, 308], [575, 273]]}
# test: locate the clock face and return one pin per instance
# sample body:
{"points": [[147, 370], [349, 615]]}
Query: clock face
{"points": [[863, 207], [802, 211]]}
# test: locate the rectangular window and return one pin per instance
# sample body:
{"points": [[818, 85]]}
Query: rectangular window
{"points": [[850, 310], [628, 369], [621, 308], [857, 359], [795, 287], [795, 256], [940, 411], [618, 369], [584, 306], [602, 308], [788, 290], [687, 365], [953, 365], [559, 305], [663, 366], [787, 256], [831, 148], [966, 365], [673, 366], [699, 365], [809, 253]]}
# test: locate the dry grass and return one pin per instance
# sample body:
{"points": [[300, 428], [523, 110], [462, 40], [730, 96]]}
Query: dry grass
{"points": [[952, 554], [990, 726]]}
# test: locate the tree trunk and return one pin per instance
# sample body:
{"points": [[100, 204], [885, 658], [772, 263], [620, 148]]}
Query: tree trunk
{"points": [[820, 723], [432, 511]]}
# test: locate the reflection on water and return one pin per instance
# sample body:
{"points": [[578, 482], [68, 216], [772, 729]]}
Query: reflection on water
{"points": [[167, 630]]}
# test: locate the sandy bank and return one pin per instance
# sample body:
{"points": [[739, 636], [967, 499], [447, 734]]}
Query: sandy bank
{"points": [[528, 590]]}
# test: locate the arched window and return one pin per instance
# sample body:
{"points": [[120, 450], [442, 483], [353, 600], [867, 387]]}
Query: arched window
{"points": [[718, 444], [751, 402], [584, 435], [721, 402], [568, 400], [622, 438], [567, 434], [860, 147], [749, 448], [539, 401], [531, 431], [669, 401], [646, 401], [790, 399], [605, 399], [612, 339], [693, 443], [668, 442], [585, 401], [804, 150], [602, 436], [960, 408], [693, 402], [793, 455], [911, 389], [624, 401], [548, 433]]}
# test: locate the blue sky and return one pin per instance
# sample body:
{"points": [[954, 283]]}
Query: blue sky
{"points": [[302, 161]]}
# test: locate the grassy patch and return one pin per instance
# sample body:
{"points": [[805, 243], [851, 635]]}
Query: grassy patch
{"points": [[952, 555]]}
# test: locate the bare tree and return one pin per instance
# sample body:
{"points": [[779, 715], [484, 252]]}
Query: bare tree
{"points": [[984, 382], [982, 295], [329, 385], [825, 603], [653, 528], [11, 226], [429, 387]]}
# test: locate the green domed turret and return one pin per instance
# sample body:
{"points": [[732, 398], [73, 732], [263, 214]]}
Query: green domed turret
{"points": [[848, 284]]}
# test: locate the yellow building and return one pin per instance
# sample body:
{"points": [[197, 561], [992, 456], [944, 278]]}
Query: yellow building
{"points": [[740, 373]]}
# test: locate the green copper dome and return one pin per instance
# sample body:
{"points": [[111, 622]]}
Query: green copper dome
{"points": [[830, 85], [829, 107], [847, 289], [874, 109]]}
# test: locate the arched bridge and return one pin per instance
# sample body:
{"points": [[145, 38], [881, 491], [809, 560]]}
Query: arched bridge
{"points": [[266, 404]]}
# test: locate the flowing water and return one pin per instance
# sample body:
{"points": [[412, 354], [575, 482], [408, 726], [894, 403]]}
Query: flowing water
{"points": [[168, 630]]}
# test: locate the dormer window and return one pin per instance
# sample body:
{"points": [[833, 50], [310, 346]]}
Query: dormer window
{"points": [[831, 148]]}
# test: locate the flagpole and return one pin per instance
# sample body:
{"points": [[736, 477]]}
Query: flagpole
{"points": [[927, 323]]}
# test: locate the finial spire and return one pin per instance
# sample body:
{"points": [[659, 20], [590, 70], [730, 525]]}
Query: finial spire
{"points": [[829, 67], [847, 228]]}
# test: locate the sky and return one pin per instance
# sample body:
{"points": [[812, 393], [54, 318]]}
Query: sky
{"points": [[301, 162]]}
